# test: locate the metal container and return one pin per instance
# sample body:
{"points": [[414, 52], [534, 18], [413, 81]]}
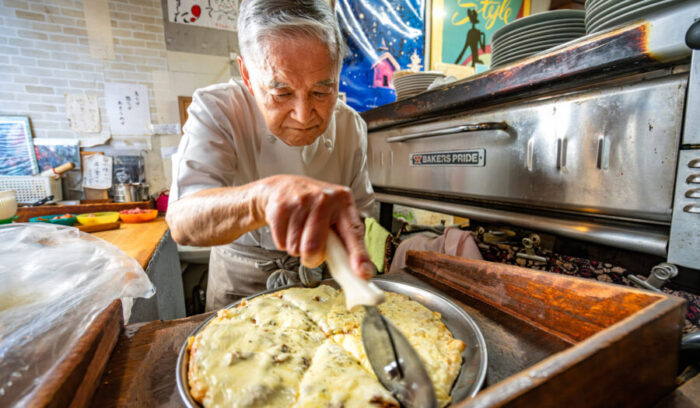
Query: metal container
{"points": [[141, 192], [124, 193], [474, 358]]}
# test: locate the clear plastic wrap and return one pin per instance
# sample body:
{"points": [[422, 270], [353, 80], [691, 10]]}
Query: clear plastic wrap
{"points": [[54, 281]]}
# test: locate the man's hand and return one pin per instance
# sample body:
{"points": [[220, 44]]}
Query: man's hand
{"points": [[301, 211]]}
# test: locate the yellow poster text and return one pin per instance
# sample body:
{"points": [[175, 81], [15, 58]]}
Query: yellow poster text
{"points": [[490, 10]]}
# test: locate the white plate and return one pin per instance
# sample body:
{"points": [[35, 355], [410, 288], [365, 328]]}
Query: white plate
{"points": [[543, 41], [545, 32], [562, 23], [630, 14], [531, 49]]}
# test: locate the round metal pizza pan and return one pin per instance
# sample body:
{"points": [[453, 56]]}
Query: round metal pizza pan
{"points": [[474, 357]]}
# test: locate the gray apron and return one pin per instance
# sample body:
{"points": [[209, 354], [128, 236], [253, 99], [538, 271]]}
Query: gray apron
{"points": [[237, 271]]}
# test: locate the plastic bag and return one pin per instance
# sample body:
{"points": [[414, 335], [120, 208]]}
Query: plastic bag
{"points": [[54, 281]]}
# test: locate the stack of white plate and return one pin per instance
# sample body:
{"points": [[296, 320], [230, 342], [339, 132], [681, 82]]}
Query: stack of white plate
{"points": [[408, 83], [536, 33], [604, 14]]}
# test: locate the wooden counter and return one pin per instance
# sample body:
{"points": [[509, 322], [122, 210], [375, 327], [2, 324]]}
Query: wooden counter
{"points": [[153, 248], [138, 240], [623, 352]]}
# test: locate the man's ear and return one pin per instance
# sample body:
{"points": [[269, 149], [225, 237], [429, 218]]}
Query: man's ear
{"points": [[245, 74]]}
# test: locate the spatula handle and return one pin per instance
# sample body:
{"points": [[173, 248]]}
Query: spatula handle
{"points": [[357, 291]]}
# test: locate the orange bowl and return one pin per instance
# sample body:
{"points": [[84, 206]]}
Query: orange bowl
{"points": [[143, 217]]}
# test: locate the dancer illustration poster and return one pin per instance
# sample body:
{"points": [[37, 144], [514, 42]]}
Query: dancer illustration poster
{"points": [[462, 29]]}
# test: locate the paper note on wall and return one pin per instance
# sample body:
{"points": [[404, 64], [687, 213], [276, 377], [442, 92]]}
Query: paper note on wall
{"points": [[83, 113], [97, 171], [221, 14], [99, 29], [127, 108]]}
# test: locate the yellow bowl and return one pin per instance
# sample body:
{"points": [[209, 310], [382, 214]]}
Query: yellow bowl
{"points": [[98, 218]]}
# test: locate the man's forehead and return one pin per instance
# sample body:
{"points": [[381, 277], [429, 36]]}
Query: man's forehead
{"points": [[278, 84]]}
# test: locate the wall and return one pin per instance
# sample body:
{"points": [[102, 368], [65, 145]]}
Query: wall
{"points": [[538, 6], [45, 53]]}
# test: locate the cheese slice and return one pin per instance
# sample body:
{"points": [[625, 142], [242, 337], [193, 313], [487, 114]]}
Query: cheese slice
{"points": [[335, 379], [253, 356], [440, 352], [315, 302]]}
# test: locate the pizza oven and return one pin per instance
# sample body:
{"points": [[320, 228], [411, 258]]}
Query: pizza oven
{"points": [[594, 141]]}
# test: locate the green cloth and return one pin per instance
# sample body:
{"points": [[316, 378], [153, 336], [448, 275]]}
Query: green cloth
{"points": [[375, 241]]}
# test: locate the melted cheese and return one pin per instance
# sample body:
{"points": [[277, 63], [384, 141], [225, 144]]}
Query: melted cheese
{"points": [[259, 354], [253, 356], [335, 379], [316, 302]]}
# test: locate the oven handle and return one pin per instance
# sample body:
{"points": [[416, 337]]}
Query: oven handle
{"points": [[471, 127]]}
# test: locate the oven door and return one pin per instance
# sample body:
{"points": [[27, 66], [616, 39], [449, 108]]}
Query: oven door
{"points": [[610, 151]]}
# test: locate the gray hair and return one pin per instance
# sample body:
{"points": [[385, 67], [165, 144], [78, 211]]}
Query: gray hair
{"points": [[260, 20]]}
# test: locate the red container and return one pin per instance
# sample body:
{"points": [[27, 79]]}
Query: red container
{"points": [[162, 202]]}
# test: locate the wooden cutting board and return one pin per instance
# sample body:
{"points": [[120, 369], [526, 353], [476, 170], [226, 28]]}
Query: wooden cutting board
{"points": [[99, 227]]}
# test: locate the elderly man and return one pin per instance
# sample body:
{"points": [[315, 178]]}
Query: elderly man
{"points": [[274, 163]]}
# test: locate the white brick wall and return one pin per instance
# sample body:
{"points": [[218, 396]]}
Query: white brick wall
{"points": [[45, 54]]}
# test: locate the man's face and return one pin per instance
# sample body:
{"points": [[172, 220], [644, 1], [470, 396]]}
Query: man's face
{"points": [[295, 88]]}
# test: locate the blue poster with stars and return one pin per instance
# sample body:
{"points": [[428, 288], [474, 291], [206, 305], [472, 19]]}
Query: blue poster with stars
{"points": [[383, 37]]}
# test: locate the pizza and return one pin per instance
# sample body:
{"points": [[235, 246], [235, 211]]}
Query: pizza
{"points": [[301, 348]]}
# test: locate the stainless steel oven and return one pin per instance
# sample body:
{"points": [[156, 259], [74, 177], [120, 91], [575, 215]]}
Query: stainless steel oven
{"points": [[597, 140]]}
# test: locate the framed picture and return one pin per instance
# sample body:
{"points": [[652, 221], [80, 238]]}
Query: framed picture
{"points": [[52, 153], [17, 157], [460, 32], [382, 38]]}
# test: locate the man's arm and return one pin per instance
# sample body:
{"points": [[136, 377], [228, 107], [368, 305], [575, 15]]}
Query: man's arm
{"points": [[300, 211]]}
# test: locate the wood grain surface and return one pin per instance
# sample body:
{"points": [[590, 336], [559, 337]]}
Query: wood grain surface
{"points": [[141, 372], [630, 362], [138, 240], [99, 227], [25, 213], [624, 341], [569, 307], [74, 380]]}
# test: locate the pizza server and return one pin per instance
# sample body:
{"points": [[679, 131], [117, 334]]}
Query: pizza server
{"points": [[394, 361]]}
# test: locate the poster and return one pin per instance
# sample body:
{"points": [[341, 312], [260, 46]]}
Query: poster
{"points": [[51, 153], [382, 37], [221, 14], [461, 32], [128, 108], [17, 157], [83, 113], [97, 171]]}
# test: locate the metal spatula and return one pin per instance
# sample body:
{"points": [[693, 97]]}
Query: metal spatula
{"points": [[394, 361]]}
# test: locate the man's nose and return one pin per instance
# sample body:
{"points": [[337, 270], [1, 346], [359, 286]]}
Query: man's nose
{"points": [[302, 111]]}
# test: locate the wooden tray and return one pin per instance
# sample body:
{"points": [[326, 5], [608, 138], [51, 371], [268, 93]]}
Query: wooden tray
{"points": [[620, 344], [552, 340], [73, 381], [25, 213]]}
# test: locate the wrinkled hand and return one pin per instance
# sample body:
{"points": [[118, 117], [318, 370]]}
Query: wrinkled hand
{"points": [[300, 212]]}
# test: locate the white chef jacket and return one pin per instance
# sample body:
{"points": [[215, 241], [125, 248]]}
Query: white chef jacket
{"points": [[226, 142]]}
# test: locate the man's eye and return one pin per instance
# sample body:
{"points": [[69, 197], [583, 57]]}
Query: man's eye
{"points": [[321, 94]]}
